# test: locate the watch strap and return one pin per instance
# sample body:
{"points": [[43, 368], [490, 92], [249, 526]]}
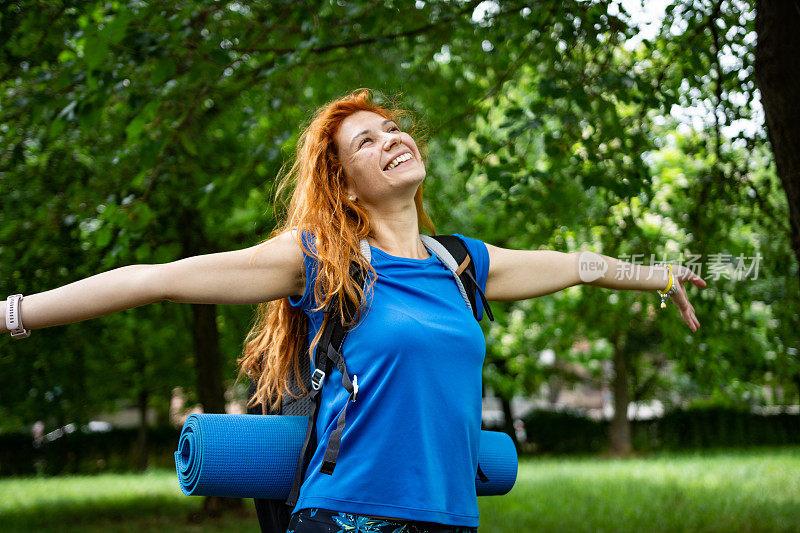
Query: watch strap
{"points": [[14, 317]]}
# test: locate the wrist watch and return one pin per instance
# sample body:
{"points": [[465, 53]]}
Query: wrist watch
{"points": [[14, 317]]}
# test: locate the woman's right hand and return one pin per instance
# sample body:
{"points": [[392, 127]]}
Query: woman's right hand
{"points": [[267, 271]]}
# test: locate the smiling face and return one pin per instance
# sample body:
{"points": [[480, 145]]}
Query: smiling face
{"points": [[380, 162]]}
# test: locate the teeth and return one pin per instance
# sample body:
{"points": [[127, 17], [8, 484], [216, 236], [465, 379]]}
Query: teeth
{"points": [[397, 160]]}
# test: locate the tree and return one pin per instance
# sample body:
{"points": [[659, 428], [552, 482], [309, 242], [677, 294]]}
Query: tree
{"points": [[777, 70], [548, 144], [145, 133], [124, 108]]}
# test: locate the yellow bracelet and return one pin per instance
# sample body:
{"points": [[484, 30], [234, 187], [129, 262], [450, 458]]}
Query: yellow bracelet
{"points": [[669, 285], [670, 290]]}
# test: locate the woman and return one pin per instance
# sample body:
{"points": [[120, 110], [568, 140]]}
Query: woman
{"points": [[409, 451]]}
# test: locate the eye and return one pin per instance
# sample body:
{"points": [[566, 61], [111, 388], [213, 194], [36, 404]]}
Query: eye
{"points": [[364, 140], [394, 128]]}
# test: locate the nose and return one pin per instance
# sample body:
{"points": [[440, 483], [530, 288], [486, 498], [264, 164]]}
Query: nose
{"points": [[392, 139]]}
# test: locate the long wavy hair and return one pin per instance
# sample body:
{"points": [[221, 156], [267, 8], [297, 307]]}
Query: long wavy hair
{"points": [[320, 205]]}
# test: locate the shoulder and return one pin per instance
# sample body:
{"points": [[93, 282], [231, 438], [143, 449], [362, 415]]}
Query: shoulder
{"points": [[305, 239], [476, 247], [283, 249], [286, 244], [479, 252]]}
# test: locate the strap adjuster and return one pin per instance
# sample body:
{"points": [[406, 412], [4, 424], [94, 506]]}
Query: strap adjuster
{"points": [[316, 379], [355, 388]]}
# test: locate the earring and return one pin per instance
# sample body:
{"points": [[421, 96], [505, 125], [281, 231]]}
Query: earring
{"points": [[351, 198]]}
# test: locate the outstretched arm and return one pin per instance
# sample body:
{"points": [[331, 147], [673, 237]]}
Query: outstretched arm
{"points": [[521, 274], [268, 271]]}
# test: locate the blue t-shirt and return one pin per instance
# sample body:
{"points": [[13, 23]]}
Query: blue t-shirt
{"points": [[410, 446]]}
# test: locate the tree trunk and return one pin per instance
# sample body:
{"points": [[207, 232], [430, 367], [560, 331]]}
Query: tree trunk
{"points": [[620, 433], [208, 358], [777, 69], [554, 385], [797, 382], [209, 384], [142, 437], [208, 355], [508, 426]]}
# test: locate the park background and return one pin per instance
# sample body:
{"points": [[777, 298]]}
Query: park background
{"points": [[145, 132]]}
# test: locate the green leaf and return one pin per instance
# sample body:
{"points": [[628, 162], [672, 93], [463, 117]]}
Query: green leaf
{"points": [[55, 129], [163, 71], [103, 236], [134, 128], [90, 81], [65, 56], [220, 56], [95, 51], [143, 252], [188, 144], [114, 30]]}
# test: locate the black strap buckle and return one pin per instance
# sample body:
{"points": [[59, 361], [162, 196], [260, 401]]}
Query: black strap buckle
{"points": [[317, 379]]}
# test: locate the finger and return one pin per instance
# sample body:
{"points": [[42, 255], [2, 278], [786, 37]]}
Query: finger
{"points": [[690, 318], [686, 274], [681, 301]]}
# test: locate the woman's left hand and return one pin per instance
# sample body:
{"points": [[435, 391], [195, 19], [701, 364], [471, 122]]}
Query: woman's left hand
{"points": [[681, 299]]}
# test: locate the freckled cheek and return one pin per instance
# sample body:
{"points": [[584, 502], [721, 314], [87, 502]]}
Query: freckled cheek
{"points": [[367, 175], [410, 142], [359, 169]]}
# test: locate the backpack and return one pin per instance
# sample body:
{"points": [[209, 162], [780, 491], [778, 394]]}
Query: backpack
{"points": [[274, 515]]}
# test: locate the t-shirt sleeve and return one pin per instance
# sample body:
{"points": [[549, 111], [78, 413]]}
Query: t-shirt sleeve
{"points": [[306, 301], [480, 255]]}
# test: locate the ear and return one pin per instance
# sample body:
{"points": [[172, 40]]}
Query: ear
{"points": [[349, 188]]}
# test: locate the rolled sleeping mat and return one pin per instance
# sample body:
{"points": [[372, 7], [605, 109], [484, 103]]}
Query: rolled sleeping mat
{"points": [[255, 456], [497, 459]]}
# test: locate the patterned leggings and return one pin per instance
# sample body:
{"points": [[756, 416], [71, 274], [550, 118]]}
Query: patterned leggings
{"points": [[323, 521]]}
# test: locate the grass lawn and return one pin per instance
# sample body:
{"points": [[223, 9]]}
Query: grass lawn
{"points": [[749, 490]]}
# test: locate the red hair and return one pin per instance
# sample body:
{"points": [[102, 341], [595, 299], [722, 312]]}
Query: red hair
{"points": [[319, 205]]}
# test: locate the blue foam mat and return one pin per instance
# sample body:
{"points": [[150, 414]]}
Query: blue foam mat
{"points": [[255, 456]]}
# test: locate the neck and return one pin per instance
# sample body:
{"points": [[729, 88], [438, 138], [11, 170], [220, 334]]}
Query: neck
{"points": [[395, 230]]}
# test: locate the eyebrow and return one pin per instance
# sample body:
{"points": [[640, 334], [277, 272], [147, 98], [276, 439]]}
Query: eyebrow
{"points": [[367, 131]]}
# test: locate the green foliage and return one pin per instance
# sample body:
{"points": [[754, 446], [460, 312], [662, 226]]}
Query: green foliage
{"points": [[601, 165], [564, 432], [137, 134], [130, 133], [85, 453], [695, 427], [719, 427]]}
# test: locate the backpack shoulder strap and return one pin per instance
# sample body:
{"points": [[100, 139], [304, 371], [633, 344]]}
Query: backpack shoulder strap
{"points": [[453, 253], [329, 354]]}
